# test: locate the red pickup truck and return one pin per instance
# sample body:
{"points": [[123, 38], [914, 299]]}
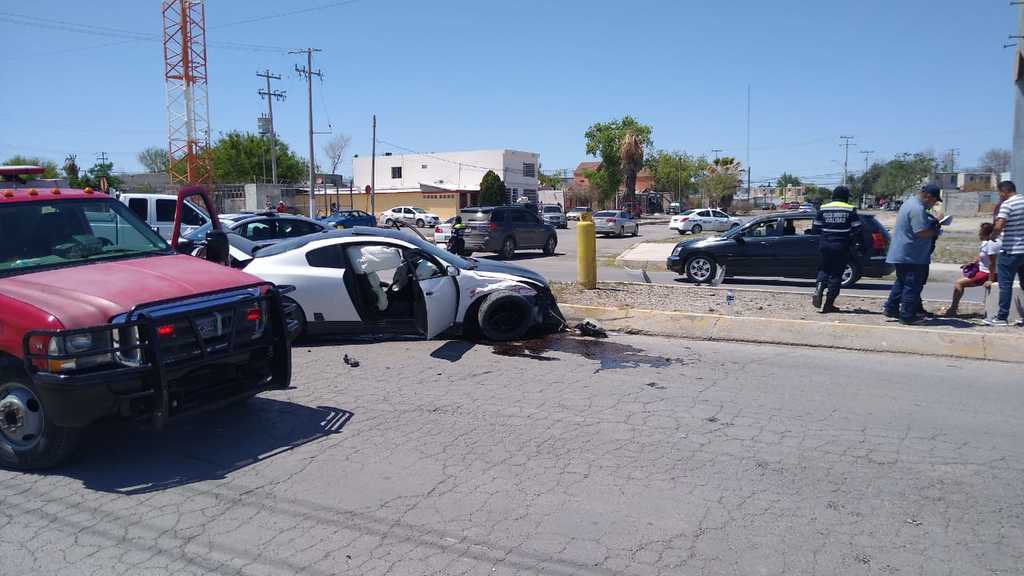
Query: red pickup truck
{"points": [[100, 317]]}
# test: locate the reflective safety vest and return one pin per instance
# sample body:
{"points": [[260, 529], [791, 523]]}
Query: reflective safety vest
{"points": [[837, 222]]}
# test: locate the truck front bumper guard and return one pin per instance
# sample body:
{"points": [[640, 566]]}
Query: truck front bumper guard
{"points": [[215, 369]]}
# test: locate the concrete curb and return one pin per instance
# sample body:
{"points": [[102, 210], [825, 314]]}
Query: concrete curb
{"points": [[998, 346]]}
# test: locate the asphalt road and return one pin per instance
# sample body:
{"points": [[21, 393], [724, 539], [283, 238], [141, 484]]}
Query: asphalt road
{"points": [[562, 268], [633, 455]]}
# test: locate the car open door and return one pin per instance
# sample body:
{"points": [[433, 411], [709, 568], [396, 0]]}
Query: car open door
{"points": [[437, 297]]}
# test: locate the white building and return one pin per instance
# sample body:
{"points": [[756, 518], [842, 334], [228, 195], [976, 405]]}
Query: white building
{"points": [[421, 179]]}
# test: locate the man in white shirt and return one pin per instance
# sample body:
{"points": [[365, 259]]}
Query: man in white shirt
{"points": [[1010, 263]]}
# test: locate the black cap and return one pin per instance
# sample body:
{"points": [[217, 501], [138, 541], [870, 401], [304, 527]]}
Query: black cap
{"points": [[841, 193], [932, 190]]}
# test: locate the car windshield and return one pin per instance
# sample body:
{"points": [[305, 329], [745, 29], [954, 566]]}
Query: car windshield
{"points": [[419, 210], [552, 210], [475, 215], [580, 209], [39, 235], [690, 212]]}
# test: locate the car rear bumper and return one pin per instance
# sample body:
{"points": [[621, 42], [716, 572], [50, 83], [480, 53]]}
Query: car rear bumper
{"points": [[679, 226], [609, 228]]}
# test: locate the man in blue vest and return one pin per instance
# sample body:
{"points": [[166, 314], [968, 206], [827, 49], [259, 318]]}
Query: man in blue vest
{"points": [[838, 227]]}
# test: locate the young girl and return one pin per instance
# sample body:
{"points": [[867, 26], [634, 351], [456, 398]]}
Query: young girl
{"points": [[986, 262]]}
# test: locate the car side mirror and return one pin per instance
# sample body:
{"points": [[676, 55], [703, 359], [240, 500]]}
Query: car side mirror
{"points": [[217, 247], [451, 271], [739, 238]]}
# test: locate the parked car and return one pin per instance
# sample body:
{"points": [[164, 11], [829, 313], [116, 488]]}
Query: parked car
{"points": [[109, 321], [349, 219], [443, 231], [698, 220], [574, 213], [385, 281], [675, 208], [263, 228], [158, 210], [615, 222], [552, 214], [808, 207], [777, 245], [505, 229], [409, 215]]}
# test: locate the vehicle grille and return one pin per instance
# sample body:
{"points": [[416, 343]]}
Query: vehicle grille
{"points": [[208, 331]]}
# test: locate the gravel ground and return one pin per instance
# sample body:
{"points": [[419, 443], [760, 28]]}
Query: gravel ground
{"points": [[752, 303]]}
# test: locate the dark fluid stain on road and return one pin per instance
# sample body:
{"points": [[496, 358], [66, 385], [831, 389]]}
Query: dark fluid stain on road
{"points": [[611, 355]]}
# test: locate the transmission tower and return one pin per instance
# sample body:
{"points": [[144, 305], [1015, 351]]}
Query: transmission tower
{"points": [[188, 111]]}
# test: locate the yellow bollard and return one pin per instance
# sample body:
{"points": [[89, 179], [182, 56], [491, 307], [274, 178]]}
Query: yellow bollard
{"points": [[586, 252]]}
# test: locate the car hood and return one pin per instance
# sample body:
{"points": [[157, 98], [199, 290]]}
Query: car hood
{"points": [[92, 294], [492, 267], [702, 242]]}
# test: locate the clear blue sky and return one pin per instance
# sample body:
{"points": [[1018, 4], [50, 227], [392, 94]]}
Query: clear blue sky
{"points": [[900, 76]]}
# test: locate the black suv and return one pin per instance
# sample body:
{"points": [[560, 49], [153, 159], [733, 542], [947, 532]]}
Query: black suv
{"points": [[505, 229], [778, 245]]}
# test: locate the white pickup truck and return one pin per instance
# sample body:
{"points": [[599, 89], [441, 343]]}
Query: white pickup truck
{"points": [[158, 211]]}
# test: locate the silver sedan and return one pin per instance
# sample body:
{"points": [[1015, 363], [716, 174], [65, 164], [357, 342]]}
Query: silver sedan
{"points": [[615, 222]]}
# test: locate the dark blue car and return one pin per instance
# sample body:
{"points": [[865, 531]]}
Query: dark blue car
{"points": [[350, 219]]}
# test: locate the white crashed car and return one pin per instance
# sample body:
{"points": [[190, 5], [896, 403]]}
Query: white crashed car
{"points": [[380, 281]]}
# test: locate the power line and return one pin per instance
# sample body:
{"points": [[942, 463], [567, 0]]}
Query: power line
{"points": [[285, 14]]}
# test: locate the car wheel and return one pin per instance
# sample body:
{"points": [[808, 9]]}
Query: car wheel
{"points": [[420, 223], [851, 275], [508, 248], [701, 269], [697, 229], [550, 245], [505, 315], [294, 313], [28, 438], [387, 222]]}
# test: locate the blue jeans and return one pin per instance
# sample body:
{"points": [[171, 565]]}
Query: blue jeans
{"points": [[905, 296], [1009, 266]]}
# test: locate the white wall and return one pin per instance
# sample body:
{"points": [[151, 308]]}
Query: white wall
{"points": [[454, 170]]}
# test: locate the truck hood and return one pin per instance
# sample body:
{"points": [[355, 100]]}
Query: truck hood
{"points": [[92, 294]]}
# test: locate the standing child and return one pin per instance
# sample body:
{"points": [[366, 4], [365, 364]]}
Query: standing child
{"points": [[980, 272]]}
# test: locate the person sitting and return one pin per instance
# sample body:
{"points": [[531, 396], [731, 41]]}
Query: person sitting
{"points": [[980, 272]]}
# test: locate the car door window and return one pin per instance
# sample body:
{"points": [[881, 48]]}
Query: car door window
{"points": [[498, 216], [191, 216], [796, 226], [518, 218], [326, 257], [257, 230], [766, 229], [165, 210], [719, 214], [141, 208], [293, 228], [426, 269]]}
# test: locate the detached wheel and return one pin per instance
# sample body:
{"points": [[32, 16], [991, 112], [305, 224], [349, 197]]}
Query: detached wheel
{"points": [[701, 269], [504, 316], [508, 248], [28, 438], [550, 245], [420, 223], [697, 229], [851, 275]]}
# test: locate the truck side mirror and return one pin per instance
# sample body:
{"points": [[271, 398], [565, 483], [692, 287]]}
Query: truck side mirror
{"points": [[217, 247]]}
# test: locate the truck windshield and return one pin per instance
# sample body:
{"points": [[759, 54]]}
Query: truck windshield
{"points": [[40, 235]]}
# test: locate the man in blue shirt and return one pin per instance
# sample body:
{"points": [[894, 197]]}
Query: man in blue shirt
{"points": [[910, 252]]}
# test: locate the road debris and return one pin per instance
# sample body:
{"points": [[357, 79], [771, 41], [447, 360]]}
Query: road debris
{"points": [[351, 361], [590, 327]]}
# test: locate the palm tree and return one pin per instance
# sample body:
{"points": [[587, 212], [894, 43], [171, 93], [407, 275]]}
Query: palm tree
{"points": [[631, 155], [722, 179]]}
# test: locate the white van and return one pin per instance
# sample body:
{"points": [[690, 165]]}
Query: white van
{"points": [[158, 211]]}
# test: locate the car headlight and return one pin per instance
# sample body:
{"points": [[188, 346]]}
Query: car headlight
{"points": [[79, 345], [676, 251]]}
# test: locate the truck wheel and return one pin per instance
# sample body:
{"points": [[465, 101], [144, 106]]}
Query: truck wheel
{"points": [[420, 223], [505, 315], [550, 245], [28, 438]]}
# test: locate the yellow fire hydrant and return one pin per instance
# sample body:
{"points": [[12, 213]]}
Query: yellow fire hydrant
{"points": [[586, 252]]}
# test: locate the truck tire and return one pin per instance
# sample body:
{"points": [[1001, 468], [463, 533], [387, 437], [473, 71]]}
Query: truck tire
{"points": [[29, 440], [550, 245], [505, 315]]}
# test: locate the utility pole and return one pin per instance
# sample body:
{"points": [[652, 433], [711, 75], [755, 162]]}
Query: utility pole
{"points": [[1017, 163], [748, 140], [270, 95], [716, 152], [101, 157], [373, 169], [846, 159], [308, 72], [954, 155], [867, 154]]}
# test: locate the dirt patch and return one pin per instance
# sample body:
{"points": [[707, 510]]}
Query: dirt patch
{"points": [[750, 303]]}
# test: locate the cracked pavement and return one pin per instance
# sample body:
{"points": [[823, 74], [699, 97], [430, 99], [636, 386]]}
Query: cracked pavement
{"points": [[634, 455]]}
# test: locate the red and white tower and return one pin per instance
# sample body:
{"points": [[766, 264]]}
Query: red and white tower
{"points": [[188, 111]]}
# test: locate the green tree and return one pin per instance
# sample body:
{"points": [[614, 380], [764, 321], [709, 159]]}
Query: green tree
{"points": [[608, 141], [240, 157], [817, 194], [549, 180], [720, 181], [676, 172], [904, 174], [866, 183], [153, 159], [92, 177], [788, 180], [49, 166], [492, 190]]}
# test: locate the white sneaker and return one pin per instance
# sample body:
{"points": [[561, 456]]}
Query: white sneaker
{"points": [[995, 322]]}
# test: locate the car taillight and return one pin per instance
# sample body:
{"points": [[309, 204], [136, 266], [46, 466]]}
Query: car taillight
{"points": [[492, 226], [610, 220], [684, 218], [437, 230], [165, 331], [253, 315], [877, 241]]}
